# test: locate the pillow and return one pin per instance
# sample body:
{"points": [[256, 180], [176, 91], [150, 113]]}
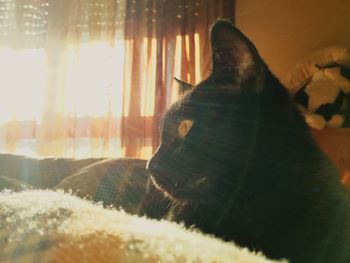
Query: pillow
{"points": [[50, 226], [40, 173], [307, 67], [118, 182], [13, 184]]}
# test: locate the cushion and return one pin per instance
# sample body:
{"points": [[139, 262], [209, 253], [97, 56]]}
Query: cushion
{"points": [[118, 182], [40, 173], [13, 184], [307, 67]]}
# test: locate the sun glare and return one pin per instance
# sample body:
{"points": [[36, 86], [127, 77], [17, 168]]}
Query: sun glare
{"points": [[87, 82], [94, 80], [22, 82], [92, 85]]}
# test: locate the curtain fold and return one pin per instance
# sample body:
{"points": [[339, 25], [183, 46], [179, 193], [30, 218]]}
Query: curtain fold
{"points": [[93, 78]]}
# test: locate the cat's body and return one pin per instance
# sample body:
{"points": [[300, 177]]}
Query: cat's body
{"points": [[236, 160]]}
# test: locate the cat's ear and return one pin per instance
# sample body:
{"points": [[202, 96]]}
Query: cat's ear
{"points": [[182, 87], [233, 54]]}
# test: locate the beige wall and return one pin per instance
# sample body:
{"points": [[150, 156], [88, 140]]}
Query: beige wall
{"points": [[284, 31]]}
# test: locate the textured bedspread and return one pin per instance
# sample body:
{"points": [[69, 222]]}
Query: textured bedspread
{"points": [[47, 226]]}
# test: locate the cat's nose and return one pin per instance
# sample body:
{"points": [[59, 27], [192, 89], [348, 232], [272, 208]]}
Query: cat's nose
{"points": [[152, 164]]}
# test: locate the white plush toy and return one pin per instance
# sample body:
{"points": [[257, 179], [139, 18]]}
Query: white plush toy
{"points": [[324, 100]]}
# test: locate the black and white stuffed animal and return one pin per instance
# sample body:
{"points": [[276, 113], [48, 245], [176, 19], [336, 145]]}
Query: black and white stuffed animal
{"points": [[324, 99]]}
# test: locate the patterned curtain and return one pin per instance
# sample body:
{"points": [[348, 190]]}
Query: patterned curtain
{"points": [[92, 78]]}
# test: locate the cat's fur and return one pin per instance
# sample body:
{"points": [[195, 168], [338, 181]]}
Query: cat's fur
{"points": [[248, 170]]}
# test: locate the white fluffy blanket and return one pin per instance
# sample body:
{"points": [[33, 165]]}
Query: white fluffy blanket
{"points": [[47, 226]]}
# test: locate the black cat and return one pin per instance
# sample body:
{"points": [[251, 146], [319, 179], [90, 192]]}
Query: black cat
{"points": [[236, 160]]}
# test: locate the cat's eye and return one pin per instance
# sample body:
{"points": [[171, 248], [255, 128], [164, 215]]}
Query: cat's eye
{"points": [[184, 127]]}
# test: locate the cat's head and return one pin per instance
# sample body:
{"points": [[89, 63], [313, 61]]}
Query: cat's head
{"points": [[208, 137]]}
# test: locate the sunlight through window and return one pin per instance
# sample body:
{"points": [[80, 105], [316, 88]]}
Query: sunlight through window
{"points": [[94, 80], [22, 82]]}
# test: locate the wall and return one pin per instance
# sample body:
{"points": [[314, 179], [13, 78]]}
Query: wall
{"points": [[284, 31]]}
